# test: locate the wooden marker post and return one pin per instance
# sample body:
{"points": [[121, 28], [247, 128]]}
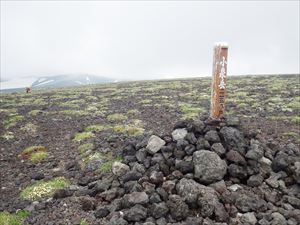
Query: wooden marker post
{"points": [[218, 92]]}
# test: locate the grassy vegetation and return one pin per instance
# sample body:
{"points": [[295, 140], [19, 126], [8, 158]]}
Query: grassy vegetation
{"points": [[12, 121], [83, 136], [38, 157], [8, 136], [29, 128], [7, 218], [42, 189], [85, 147], [116, 117], [128, 130], [189, 111], [96, 128], [106, 167], [35, 154]]}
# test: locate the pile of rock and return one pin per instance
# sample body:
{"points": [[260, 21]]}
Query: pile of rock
{"points": [[201, 174]]}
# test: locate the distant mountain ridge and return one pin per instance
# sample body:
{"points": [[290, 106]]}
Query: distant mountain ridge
{"points": [[68, 80]]}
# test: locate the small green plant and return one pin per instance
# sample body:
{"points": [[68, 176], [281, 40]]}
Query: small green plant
{"points": [[96, 128], [83, 135], [94, 156], [106, 167], [30, 128], [189, 111], [83, 222], [295, 119], [38, 157], [116, 117], [13, 219], [12, 121], [8, 135], [85, 147], [145, 101], [128, 130], [35, 112], [133, 111], [42, 189]]}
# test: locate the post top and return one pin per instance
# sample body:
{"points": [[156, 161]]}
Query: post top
{"points": [[221, 44]]}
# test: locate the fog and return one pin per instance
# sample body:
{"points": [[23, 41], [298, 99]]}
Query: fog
{"points": [[147, 39]]}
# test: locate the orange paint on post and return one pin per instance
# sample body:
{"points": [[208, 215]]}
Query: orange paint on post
{"points": [[218, 92]]}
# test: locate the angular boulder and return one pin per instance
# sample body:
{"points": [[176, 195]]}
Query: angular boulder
{"points": [[208, 166]]}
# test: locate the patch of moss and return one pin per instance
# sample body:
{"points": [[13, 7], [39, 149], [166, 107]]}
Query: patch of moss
{"points": [[96, 128], [38, 157], [106, 167], [13, 219], [85, 147], [189, 111], [35, 112], [75, 112], [133, 111], [30, 128], [116, 117], [83, 135], [35, 148], [12, 121], [8, 135], [83, 222], [295, 119], [145, 101], [94, 156], [128, 130], [42, 189], [35, 154]]}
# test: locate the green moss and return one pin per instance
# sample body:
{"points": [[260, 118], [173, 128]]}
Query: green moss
{"points": [[295, 103], [295, 119], [94, 156], [106, 167], [13, 219], [75, 112], [133, 111], [189, 111], [12, 121], [30, 128], [35, 148], [84, 222], [145, 101], [42, 189], [35, 112], [96, 128], [116, 117], [128, 130], [85, 147], [38, 157], [83, 135]]}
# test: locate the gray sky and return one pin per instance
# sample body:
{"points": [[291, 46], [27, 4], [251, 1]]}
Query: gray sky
{"points": [[145, 40]]}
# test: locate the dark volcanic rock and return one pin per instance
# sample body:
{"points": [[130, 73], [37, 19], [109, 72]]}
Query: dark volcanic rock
{"points": [[178, 208], [135, 214], [158, 210], [234, 139], [209, 167], [212, 136]]}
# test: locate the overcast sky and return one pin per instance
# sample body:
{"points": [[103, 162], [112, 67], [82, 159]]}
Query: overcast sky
{"points": [[146, 40]]}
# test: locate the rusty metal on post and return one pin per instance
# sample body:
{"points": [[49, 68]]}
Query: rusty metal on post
{"points": [[218, 93]]}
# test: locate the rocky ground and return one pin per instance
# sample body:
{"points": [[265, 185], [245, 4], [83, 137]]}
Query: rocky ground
{"points": [[116, 154]]}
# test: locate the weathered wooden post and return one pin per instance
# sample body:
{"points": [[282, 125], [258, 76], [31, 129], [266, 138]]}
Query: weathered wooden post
{"points": [[218, 92]]}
